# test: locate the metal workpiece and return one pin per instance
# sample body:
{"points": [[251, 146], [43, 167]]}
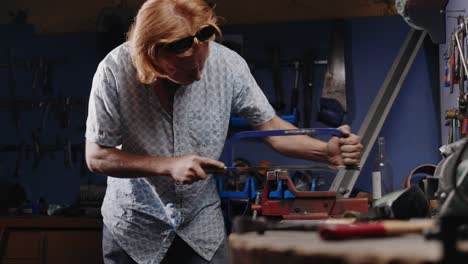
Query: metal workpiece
{"points": [[257, 201], [378, 112], [225, 170]]}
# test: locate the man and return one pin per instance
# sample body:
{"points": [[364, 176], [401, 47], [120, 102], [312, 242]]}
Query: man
{"points": [[165, 97]]}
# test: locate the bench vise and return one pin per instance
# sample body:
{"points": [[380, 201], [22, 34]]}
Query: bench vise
{"points": [[296, 204]]}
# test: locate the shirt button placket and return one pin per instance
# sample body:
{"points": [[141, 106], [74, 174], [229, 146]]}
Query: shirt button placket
{"points": [[176, 136], [177, 152]]}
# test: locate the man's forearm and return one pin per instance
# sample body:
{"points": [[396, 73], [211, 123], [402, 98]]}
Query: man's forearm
{"points": [[302, 147], [117, 163]]}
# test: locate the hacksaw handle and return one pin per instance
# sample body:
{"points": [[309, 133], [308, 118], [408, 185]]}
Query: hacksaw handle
{"points": [[214, 170]]}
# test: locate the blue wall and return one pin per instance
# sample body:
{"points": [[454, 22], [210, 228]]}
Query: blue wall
{"points": [[77, 57], [411, 130]]}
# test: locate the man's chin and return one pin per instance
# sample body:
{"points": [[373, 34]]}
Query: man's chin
{"points": [[187, 82], [183, 82], [190, 80]]}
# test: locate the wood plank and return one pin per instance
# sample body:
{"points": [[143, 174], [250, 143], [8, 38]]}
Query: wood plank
{"points": [[307, 247], [267, 11], [51, 222], [53, 16], [74, 247], [20, 261], [23, 245]]}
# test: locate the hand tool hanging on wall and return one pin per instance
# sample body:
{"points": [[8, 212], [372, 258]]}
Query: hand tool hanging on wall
{"points": [[38, 151], [19, 158], [66, 147], [333, 103], [295, 91], [44, 115], [452, 119], [279, 103], [460, 36], [15, 114], [307, 86], [38, 132], [38, 69], [455, 60], [47, 80], [461, 67], [42, 71], [453, 116], [63, 112], [65, 120], [447, 72], [452, 75]]}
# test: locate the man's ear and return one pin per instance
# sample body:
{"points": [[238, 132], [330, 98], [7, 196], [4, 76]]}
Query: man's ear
{"points": [[163, 68], [158, 70]]}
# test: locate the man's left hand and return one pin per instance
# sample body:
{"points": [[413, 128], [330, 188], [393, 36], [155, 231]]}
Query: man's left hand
{"points": [[346, 150]]}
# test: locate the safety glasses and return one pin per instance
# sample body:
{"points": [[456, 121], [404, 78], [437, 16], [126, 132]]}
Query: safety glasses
{"points": [[184, 44]]}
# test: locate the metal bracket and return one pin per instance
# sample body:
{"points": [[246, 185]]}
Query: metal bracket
{"points": [[378, 112]]}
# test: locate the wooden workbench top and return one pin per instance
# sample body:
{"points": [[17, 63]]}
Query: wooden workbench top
{"points": [[307, 247]]}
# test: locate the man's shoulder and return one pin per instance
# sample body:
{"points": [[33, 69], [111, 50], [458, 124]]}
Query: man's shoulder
{"points": [[223, 51], [118, 58], [222, 55], [119, 63]]}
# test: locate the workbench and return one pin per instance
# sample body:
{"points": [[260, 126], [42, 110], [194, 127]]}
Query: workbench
{"points": [[307, 247], [49, 239]]}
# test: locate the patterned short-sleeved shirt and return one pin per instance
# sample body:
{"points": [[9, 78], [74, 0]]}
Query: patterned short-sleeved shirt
{"points": [[144, 214]]}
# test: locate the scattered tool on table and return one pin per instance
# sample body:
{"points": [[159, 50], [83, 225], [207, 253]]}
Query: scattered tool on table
{"points": [[374, 229], [243, 224]]}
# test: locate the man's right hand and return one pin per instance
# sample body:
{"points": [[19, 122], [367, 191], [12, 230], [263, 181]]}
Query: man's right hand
{"points": [[188, 168]]}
